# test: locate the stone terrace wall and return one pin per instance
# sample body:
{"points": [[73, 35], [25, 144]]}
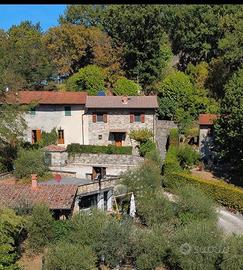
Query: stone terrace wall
{"points": [[105, 159]]}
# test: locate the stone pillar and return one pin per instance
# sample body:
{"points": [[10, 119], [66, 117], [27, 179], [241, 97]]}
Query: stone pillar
{"points": [[100, 200], [109, 200]]}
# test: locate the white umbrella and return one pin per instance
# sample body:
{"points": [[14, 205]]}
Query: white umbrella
{"points": [[132, 206]]}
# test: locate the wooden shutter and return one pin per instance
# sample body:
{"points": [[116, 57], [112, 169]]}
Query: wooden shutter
{"points": [[38, 135], [94, 118], [132, 116], [105, 117], [142, 117]]}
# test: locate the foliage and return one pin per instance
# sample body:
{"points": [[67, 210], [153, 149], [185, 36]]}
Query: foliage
{"points": [[232, 257], [141, 135], [12, 123], [75, 148], [10, 229], [64, 255], [90, 78], [228, 128], [155, 209], [28, 162], [187, 156], [154, 155], [171, 162], [174, 137], [40, 227], [146, 147], [191, 246], [125, 87], [149, 248], [144, 179], [24, 42], [48, 138], [194, 204], [225, 194], [74, 46]]}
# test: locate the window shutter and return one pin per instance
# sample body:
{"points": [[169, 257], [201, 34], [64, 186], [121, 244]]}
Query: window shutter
{"points": [[38, 135], [142, 117], [105, 117], [94, 118], [131, 118]]}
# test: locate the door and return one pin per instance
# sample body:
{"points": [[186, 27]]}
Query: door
{"points": [[60, 136], [118, 139]]}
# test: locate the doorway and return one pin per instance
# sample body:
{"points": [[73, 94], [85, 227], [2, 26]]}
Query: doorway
{"points": [[118, 138], [60, 136]]}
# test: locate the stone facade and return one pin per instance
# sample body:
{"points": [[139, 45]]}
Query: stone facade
{"points": [[99, 133], [205, 141]]}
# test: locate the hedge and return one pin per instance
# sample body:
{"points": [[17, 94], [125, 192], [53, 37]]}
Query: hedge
{"points": [[225, 194], [76, 148], [171, 162]]}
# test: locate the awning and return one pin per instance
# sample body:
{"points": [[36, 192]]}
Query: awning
{"points": [[118, 131]]}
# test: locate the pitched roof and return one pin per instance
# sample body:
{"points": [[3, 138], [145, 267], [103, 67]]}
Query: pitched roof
{"points": [[46, 97], [55, 196], [207, 119], [116, 102]]}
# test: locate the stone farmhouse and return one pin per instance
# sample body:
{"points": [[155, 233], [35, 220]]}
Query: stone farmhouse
{"points": [[93, 120]]}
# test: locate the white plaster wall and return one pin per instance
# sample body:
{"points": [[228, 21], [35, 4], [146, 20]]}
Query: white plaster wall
{"points": [[48, 117]]}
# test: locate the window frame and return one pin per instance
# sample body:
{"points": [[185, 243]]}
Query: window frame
{"points": [[67, 112]]}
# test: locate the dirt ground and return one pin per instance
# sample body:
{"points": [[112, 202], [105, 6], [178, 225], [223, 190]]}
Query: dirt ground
{"points": [[204, 174], [31, 262]]}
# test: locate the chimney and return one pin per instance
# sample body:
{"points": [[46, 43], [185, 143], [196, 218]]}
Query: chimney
{"points": [[34, 183], [125, 100]]}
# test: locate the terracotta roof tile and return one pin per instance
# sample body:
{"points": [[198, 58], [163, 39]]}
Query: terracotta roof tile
{"points": [[55, 196], [46, 97], [207, 119], [116, 102]]}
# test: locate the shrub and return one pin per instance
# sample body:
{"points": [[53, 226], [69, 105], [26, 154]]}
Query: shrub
{"points": [[75, 148], [90, 78], [232, 255], [40, 227], [171, 163], [48, 138], [123, 86], [149, 248], [194, 204], [174, 137], [187, 156], [141, 135], [193, 246], [224, 193], [64, 255], [146, 147], [154, 155], [28, 162]]}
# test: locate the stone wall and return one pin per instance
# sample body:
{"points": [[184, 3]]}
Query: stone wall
{"points": [[105, 159], [117, 119], [163, 128]]}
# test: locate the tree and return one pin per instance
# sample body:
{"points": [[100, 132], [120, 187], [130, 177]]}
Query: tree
{"points": [[40, 227], [123, 86], [10, 230], [90, 78], [64, 255], [26, 59], [28, 162], [73, 47], [228, 128]]}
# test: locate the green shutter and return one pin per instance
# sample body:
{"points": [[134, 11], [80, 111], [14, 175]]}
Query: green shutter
{"points": [[67, 110]]}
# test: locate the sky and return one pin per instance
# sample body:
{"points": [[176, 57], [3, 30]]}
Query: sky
{"points": [[47, 15]]}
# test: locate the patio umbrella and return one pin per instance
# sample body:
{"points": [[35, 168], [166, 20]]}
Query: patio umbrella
{"points": [[132, 206]]}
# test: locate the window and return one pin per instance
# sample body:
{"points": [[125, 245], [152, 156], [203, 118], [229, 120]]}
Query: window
{"points": [[137, 117], [60, 136], [32, 111], [100, 117], [67, 110], [100, 137]]}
